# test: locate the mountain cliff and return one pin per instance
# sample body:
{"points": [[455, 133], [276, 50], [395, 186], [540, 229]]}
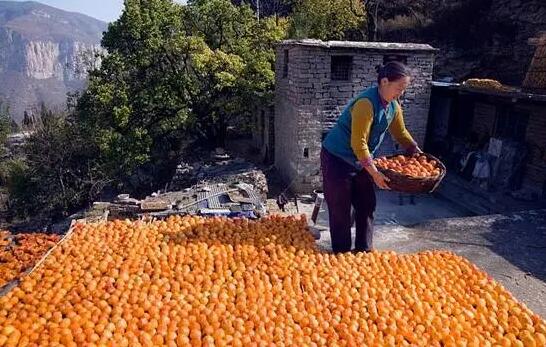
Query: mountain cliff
{"points": [[44, 53]]}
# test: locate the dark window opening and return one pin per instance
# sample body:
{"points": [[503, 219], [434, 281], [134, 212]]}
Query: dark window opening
{"points": [[341, 68], [395, 57], [306, 152], [285, 66], [463, 115]]}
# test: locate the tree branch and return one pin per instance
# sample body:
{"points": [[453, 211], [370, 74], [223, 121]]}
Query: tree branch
{"points": [[353, 10]]}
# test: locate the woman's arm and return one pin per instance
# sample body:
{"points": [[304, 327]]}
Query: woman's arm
{"points": [[398, 130], [361, 123]]}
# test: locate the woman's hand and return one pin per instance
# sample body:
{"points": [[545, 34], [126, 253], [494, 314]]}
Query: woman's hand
{"points": [[381, 180], [414, 150]]}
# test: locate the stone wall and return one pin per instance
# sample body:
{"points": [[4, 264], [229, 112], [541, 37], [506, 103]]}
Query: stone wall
{"points": [[308, 102], [535, 137], [478, 39], [263, 133], [507, 57], [484, 118], [535, 79], [286, 114]]}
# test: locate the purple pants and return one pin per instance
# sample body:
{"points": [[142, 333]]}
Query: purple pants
{"points": [[345, 186]]}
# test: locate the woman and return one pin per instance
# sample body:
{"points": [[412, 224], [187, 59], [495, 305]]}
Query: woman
{"points": [[347, 154]]}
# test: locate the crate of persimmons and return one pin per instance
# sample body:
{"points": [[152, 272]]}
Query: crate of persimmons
{"points": [[419, 173]]}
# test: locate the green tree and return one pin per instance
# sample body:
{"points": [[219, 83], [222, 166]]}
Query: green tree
{"points": [[138, 99], [235, 71], [14, 126], [175, 71], [5, 128], [5, 123], [56, 174], [328, 20], [169, 72], [29, 121]]}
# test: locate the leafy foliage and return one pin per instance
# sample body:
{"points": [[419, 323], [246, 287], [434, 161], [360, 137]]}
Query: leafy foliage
{"points": [[57, 172], [139, 96], [5, 123], [175, 71], [235, 70], [328, 20], [170, 73]]}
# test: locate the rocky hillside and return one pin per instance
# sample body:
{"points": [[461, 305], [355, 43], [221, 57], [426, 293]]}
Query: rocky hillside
{"points": [[44, 53], [476, 38]]}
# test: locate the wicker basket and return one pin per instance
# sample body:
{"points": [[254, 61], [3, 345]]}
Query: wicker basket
{"points": [[406, 184]]}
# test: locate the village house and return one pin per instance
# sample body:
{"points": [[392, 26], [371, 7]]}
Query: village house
{"points": [[314, 81]]}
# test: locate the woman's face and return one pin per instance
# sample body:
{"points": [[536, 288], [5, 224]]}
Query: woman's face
{"points": [[391, 90]]}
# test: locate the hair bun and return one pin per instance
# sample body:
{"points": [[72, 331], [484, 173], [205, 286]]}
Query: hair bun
{"points": [[393, 71]]}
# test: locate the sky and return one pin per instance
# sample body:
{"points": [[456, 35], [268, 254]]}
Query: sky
{"points": [[105, 10]]}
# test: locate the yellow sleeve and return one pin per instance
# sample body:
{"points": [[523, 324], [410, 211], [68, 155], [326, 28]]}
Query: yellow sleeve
{"points": [[361, 123], [398, 130]]}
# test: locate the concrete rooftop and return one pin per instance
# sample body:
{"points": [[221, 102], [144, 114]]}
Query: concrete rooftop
{"points": [[388, 46]]}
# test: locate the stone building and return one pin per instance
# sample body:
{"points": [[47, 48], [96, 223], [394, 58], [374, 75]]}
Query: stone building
{"points": [[316, 79], [263, 134]]}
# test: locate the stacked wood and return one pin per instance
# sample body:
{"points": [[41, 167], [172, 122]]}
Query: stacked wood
{"points": [[536, 74]]}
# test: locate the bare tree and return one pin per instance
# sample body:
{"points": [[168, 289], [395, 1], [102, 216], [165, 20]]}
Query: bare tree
{"points": [[267, 8], [378, 10], [372, 10], [372, 16]]}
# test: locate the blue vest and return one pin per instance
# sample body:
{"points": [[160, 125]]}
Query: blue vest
{"points": [[338, 140]]}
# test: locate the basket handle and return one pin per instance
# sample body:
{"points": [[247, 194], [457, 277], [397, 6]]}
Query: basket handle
{"points": [[437, 183]]}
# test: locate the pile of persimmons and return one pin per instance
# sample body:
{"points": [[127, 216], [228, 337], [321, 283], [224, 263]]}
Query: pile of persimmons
{"points": [[18, 253], [190, 281], [413, 166]]}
